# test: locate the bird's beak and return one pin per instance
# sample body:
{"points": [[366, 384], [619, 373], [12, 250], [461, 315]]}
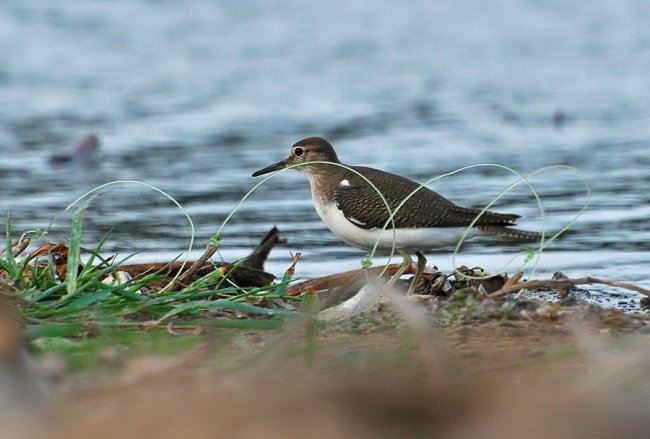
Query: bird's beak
{"points": [[274, 167]]}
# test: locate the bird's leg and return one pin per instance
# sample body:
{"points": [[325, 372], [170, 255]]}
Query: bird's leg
{"points": [[402, 269], [422, 263]]}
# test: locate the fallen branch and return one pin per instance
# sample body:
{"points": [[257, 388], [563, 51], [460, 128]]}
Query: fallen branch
{"points": [[565, 283], [338, 279]]}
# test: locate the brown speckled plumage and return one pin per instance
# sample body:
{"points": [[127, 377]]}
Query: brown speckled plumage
{"points": [[425, 208]]}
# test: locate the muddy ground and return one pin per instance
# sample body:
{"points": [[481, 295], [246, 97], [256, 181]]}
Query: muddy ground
{"points": [[544, 371]]}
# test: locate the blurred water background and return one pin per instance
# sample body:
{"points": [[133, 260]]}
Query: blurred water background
{"points": [[194, 97]]}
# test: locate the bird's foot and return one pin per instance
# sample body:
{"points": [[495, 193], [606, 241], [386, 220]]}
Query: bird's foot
{"points": [[422, 263]]}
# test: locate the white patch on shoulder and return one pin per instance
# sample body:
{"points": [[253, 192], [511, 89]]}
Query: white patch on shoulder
{"points": [[344, 183]]}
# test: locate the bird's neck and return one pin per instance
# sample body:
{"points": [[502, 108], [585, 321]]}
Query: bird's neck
{"points": [[323, 181]]}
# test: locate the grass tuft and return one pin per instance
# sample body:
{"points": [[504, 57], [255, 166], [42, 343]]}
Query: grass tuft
{"points": [[90, 308]]}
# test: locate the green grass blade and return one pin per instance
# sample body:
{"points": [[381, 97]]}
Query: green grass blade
{"points": [[10, 267], [49, 292], [74, 252], [229, 305], [95, 253], [88, 300], [234, 323]]}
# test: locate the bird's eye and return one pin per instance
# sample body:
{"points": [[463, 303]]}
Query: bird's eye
{"points": [[298, 151]]}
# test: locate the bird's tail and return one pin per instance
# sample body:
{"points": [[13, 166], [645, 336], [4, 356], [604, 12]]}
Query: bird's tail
{"points": [[510, 232]]}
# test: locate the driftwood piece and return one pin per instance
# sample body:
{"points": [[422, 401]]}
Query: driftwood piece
{"points": [[250, 272], [258, 257], [241, 275], [342, 279]]}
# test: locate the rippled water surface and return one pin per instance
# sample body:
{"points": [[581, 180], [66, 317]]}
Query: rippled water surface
{"points": [[193, 98]]}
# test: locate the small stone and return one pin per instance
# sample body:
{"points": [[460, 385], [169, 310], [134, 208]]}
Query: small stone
{"points": [[645, 302]]}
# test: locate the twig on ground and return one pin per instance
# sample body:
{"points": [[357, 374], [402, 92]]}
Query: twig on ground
{"points": [[20, 247], [17, 248], [211, 250]]}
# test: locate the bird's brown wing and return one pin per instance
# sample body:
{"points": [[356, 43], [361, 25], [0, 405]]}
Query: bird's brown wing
{"points": [[361, 205]]}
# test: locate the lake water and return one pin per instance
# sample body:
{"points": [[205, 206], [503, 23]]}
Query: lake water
{"points": [[192, 98]]}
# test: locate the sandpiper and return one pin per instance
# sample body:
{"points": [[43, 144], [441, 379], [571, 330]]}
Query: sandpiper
{"points": [[354, 211]]}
